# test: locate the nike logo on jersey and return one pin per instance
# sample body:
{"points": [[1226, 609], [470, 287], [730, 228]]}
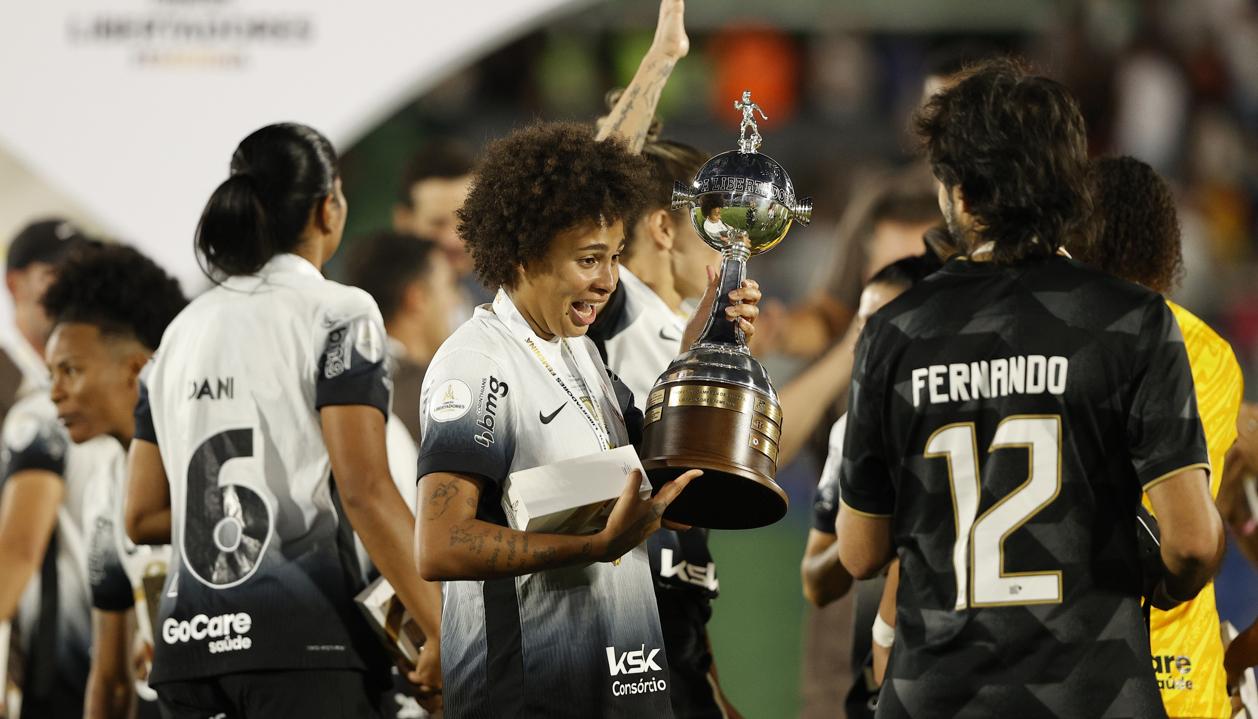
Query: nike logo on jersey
{"points": [[548, 418], [665, 336]]}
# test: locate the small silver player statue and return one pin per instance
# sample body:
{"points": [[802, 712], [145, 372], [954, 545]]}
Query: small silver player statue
{"points": [[749, 108]]}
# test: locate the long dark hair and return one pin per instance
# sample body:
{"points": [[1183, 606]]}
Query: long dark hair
{"points": [[278, 173], [1015, 145]]}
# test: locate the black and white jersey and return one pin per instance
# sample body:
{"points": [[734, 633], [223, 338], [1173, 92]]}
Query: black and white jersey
{"points": [[54, 613], [1006, 419], [825, 498], [579, 641], [263, 568], [115, 565]]}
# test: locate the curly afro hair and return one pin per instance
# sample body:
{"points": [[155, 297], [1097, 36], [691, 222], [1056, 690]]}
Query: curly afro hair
{"points": [[1015, 144], [539, 182], [1136, 233], [118, 290]]}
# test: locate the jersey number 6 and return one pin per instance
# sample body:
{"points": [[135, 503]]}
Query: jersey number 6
{"points": [[226, 527], [978, 554]]}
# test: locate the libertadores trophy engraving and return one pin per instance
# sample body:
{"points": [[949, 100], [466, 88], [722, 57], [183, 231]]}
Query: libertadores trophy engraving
{"points": [[715, 408]]}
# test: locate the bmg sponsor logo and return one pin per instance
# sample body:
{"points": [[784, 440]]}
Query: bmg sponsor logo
{"points": [[1172, 671], [223, 632], [636, 662], [492, 389]]}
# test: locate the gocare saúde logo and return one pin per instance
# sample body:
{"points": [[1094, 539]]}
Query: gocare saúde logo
{"points": [[223, 632]]}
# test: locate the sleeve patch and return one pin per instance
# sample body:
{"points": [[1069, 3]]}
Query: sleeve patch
{"points": [[450, 401]]}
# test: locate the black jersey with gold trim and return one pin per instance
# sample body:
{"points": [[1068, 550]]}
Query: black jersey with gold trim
{"points": [[1007, 418]]}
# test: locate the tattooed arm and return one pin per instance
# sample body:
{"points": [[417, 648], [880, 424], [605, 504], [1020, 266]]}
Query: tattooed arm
{"points": [[631, 117], [454, 544]]}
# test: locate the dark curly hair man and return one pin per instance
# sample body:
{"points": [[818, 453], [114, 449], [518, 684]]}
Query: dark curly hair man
{"points": [[1005, 416], [1135, 233], [1013, 173], [542, 181]]}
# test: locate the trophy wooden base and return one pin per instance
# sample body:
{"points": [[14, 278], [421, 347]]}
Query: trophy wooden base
{"points": [[729, 432]]}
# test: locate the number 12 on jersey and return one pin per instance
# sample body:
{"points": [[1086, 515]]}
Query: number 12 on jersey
{"points": [[978, 553]]}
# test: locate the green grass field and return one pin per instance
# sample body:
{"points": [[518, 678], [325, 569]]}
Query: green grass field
{"points": [[756, 627]]}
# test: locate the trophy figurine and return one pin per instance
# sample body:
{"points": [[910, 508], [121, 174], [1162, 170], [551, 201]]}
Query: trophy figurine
{"points": [[714, 408]]}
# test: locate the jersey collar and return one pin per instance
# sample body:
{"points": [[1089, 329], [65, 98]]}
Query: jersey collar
{"points": [[510, 316], [289, 263]]}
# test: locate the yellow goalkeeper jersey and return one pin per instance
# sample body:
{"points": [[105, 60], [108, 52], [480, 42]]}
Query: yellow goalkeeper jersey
{"points": [[1186, 647]]}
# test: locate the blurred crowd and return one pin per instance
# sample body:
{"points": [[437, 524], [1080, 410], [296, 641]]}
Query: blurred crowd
{"points": [[1174, 83]]}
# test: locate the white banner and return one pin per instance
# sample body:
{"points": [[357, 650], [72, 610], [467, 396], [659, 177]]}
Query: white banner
{"points": [[133, 107]]}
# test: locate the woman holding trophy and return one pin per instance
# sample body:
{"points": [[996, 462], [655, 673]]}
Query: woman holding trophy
{"points": [[540, 624]]}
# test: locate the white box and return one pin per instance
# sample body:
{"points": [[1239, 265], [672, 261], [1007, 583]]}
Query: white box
{"points": [[574, 496], [394, 626]]}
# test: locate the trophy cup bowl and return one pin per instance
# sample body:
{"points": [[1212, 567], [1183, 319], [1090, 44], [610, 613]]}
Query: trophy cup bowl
{"points": [[715, 408]]}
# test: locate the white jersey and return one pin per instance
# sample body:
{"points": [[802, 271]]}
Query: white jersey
{"points": [[825, 499], [646, 338], [579, 641], [263, 568], [57, 599]]}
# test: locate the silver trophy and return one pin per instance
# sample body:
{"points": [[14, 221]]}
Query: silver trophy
{"points": [[715, 408]]}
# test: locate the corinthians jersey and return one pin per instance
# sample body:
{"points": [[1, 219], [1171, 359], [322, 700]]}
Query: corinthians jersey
{"points": [[263, 568], [1186, 645], [54, 613], [1006, 419], [580, 641]]}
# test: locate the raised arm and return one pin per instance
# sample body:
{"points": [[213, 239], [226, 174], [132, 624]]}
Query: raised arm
{"points": [[454, 544], [631, 117]]}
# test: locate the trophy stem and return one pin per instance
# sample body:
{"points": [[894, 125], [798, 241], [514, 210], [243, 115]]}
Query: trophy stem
{"points": [[719, 330]]}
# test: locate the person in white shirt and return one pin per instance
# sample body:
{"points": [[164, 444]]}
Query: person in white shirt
{"points": [[260, 431], [538, 624], [109, 307]]}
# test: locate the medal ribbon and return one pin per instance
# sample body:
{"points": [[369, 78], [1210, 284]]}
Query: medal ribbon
{"points": [[600, 429]]}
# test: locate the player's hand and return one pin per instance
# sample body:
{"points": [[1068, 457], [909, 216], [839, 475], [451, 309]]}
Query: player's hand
{"points": [[426, 676], [746, 307], [670, 31], [633, 519], [744, 310]]}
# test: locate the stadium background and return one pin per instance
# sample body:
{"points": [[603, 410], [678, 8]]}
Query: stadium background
{"points": [[1174, 83]]}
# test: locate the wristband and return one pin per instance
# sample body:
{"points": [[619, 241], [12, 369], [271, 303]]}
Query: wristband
{"points": [[883, 633]]}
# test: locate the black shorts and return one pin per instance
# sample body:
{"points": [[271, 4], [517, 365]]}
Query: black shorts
{"points": [[309, 694]]}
